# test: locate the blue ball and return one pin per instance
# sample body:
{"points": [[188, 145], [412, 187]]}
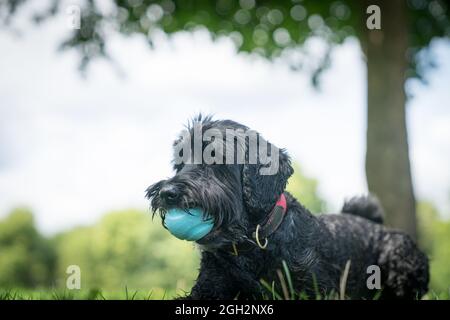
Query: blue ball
{"points": [[190, 226]]}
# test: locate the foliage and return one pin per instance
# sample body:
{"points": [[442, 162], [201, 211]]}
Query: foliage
{"points": [[270, 28], [434, 237], [304, 189], [26, 258], [127, 249]]}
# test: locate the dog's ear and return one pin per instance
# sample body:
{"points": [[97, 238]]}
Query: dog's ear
{"points": [[262, 190]]}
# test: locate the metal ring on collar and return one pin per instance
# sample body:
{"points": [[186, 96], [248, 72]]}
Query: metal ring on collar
{"points": [[257, 238]]}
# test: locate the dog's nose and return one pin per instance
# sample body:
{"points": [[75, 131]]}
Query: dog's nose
{"points": [[169, 194]]}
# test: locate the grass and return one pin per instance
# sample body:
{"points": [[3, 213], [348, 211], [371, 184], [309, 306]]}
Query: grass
{"points": [[91, 294]]}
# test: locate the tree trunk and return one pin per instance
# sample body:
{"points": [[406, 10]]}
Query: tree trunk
{"points": [[387, 158]]}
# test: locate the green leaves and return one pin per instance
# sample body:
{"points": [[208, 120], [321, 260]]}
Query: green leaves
{"points": [[26, 258], [269, 28], [305, 190], [127, 249]]}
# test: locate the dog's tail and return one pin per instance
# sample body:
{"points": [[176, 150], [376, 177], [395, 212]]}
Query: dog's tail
{"points": [[365, 206]]}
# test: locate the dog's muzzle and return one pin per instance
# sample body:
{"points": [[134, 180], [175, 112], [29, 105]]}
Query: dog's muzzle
{"points": [[190, 224]]}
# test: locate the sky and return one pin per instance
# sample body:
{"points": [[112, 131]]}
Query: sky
{"points": [[73, 149]]}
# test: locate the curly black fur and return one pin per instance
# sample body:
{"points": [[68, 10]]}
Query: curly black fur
{"points": [[366, 206], [316, 249]]}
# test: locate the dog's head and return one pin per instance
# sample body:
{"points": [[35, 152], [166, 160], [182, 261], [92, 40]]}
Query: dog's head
{"points": [[227, 170]]}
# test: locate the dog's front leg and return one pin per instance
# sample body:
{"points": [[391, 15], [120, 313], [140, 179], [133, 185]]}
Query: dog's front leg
{"points": [[214, 281]]}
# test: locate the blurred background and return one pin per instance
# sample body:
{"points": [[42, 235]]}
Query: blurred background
{"points": [[88, 116]]}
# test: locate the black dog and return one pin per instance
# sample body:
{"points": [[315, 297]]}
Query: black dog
{"points": [[252, 237]]}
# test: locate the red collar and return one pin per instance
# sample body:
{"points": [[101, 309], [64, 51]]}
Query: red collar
{"points": [[272, 222], [265, 229]]}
